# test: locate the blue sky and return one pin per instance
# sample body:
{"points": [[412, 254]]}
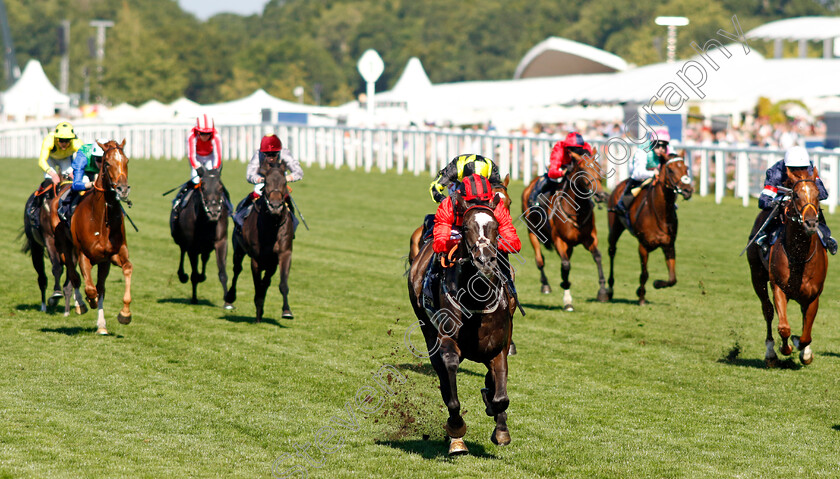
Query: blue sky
{"points": [[204, 9]]}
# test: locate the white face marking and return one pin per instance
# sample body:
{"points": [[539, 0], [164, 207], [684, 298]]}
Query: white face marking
{"points": [[483, 219]]}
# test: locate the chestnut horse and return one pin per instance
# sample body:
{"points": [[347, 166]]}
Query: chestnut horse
{"points": [[416, 237], [568, 220], [200, 228], [98, 233], [796, 267], [475, 326], [266, 236], [653, 217], [40, 240]]}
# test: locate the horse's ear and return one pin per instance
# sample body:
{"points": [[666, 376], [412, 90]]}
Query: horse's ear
{"points": [[200, 171], [495, 202], [122, 144], [458, 201], [101, 145], [507, 180]]}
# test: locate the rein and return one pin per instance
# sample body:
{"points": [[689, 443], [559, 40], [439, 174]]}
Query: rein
{"points": [[801, 213]]}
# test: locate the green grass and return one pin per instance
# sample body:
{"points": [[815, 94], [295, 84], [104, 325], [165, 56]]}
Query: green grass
{"points": [[612, 390]]}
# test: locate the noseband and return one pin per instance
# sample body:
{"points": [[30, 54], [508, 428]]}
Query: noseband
{"points": [[674, 185], [471, 248], [203, 199]]}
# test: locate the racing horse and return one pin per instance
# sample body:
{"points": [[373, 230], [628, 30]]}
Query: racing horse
{"points": [[476, 326], [97, 234], [266, 236], [653, 218], [795, 268], [200, 227], [417, 237], [568, 221], [40, 239]]}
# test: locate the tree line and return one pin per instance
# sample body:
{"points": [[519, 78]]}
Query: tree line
{"points": [[155, 50]]}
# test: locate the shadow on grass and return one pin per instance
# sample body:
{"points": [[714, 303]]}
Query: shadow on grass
{"points": [[435, 448], [634, 302], [75, 331], [544, 307], [836, 427], [201, 302], [829, 354], [428, 370], [31, 307], [788, 363], [236, 318]]}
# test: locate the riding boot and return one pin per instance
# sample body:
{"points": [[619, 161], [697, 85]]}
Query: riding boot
{"points": [[243, 209], [430, 301], [64, 206], [176, 203], [533, 199], [34, 212], [829, 242]]}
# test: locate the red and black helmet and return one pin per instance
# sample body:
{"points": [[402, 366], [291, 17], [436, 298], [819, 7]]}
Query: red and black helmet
{"points": [[573, 139], [270, 144], [477, 188]]}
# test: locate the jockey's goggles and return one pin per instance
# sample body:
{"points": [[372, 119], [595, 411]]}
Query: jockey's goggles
{"points": [[661, 144], [271, 154]]}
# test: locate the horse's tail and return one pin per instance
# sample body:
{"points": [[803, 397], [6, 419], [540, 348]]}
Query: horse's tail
{"points": [[407, 266], [26, 248]]}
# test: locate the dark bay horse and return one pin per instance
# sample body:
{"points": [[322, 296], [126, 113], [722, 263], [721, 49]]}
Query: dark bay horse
{"points": [[567, 221], [417, 236], [266, 236], [796, 267], [97, 232], [201, 228], [40, 240], [474, 321], [653, 217]]}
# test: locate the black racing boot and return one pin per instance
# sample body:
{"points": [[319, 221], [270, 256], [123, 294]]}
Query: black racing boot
{"points": [[243, 209]]}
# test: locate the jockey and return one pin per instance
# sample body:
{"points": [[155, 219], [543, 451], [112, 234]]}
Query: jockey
{"points": [[474, 189], [644, 166], [271, 149], [84, 173], [558, 161], [204, 148], [461, 167], [57, 151], [796, 158]]}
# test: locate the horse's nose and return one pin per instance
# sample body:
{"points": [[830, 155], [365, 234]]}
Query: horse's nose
{"points": [[811, 225]]}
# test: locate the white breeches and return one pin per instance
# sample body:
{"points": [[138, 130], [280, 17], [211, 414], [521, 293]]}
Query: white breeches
{"points": [[205, 161], [63, 167]]}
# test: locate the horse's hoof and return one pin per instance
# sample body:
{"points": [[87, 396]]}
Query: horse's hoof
{"points": [[806, 359], [500, 437], [81, 309], [546, 289], [183, 278], [102, 332], [54, 299], [66, 313], [457, 447], [193, 300], [642, 302], [457, 432], [123, 319], [229, 306], [771, 363], [659, 284], [512, 349], [43, 307], [569, 308], [786, 349], [603, 296], [287, 314], [609, 294], [92, 303]]}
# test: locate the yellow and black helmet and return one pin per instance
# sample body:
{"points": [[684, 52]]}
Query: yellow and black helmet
{"points": [[64, 131]]}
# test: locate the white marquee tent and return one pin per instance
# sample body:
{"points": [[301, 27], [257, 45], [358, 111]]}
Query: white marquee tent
{"points": [[33, 96]]}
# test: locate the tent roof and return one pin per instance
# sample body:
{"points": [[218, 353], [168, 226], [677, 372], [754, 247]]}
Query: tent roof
{"points": [[33, 94], [801, 28], [413, 79], [254, 103], [556, 56]]}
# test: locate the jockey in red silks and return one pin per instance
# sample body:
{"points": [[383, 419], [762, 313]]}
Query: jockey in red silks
{"points": [[559, 160], [204, 149], [475, 189]]}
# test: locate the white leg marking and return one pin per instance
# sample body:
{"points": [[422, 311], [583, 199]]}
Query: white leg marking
{"points": [[567, 296], [771, 351]]}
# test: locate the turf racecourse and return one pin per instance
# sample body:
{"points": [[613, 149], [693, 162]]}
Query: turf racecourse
{"points": [[612, 390]]}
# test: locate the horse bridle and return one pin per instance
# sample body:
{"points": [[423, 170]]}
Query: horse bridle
{"points": [[105, 165], [472, 247], [798, 218], [266, 193], [204, 200], [674, 185]]}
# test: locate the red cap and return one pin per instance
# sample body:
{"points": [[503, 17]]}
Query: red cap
{"points": [[573, 139], [204, 124], [477, 187], [270, 144]]}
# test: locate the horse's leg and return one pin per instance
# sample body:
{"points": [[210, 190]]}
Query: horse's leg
{"points": [[205, 257], [261, 282], [496, 381], [182, 276], [285, 266], [414, 244], [803, 343], [37, 253], [121, 260], [616, 228], [780, 299], [592, 246], [195, 276], [90, 288], [759, 278], [643, 277], [538, 258], [57, 269], [565, 252], [238, 255], [446, 363], [101, 275], [221, 258], [671, 263]]}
